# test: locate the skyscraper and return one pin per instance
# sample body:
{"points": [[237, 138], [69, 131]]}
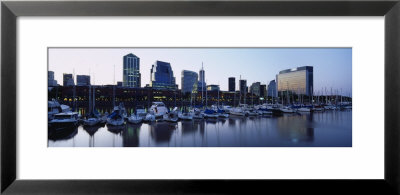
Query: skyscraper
{"points": [[162, 76], [82, 80], [131, 71], [272, 89], [255, 88], [231, 83], [202, 83], [68, 80], [189, 81], [50, 79], [298, 80], [243, 86], [263, 90]]}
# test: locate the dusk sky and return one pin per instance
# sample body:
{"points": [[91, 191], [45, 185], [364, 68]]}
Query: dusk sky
{"points": [[332, 66]]}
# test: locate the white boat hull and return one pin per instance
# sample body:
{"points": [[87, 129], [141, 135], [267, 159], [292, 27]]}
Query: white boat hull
{"points": [[185, 117], [237, 113], [304, 110]]}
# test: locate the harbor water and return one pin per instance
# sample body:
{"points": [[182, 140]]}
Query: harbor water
{"points": [[331, 128]]}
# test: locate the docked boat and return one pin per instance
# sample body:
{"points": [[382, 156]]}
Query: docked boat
{"points": [[158, 109], [318, 108], [186, 116], [222, 113], [329, 107], [141, 111], [64, 120], [91, 121], [149, 118], [54, 108], [252, 112], [135, 119], [171, 116], [208, 113], [103, 119], [264, 111], [197, 114], [117, 117], [227, 109], [304, 109], [287, 110], [237, 112]]}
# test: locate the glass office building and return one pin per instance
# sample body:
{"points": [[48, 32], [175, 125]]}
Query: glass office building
{"points": [[263, 90], [202, 85], [297, 80], [162, 76], [231, 84], [50, 79], [131, 71], [243, 86], [68, 80], [189, 81], [272, 89], [82, 80], [255, 88]]}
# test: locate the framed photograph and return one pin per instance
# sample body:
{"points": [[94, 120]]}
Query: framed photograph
{"points": [[199, 96]]}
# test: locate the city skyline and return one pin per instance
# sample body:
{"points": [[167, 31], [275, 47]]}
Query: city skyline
{"points": [[332, 66]]}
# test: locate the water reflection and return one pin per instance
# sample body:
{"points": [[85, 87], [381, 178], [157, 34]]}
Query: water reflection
{"points": [[162, 131], [330, 129], [131, 135], [296, 128], [62, 134]]}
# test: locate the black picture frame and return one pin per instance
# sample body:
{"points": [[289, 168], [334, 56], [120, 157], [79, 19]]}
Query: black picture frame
{"points": [[10, 10]]}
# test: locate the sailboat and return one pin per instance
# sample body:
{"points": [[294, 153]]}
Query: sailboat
{"points": [[93, 118], [116, 118], [171, 116]]}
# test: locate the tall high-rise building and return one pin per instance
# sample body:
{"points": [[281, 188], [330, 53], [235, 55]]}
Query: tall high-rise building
{"points": [[68, 80], [255, 88], [131, 71], [243, 86], [202, 85], [231, 83], [82, 80], [189, 81], [162, 76], [50, 79], [272, 89], [263, 90], [298, 80]]}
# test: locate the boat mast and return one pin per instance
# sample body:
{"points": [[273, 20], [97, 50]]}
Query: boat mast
{"points": [[94, 99], [312, 96], [218, 96], [113, 96], [89, 99], [202, 86], [240, 89], [206, 98], [341, 97], [245, 93], [287, 93], [74, 90]]}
